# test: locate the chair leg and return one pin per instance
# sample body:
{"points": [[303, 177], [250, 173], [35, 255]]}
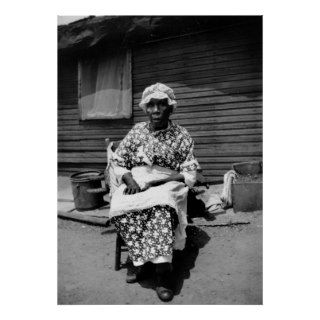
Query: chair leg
{"points": [[118, 253]]}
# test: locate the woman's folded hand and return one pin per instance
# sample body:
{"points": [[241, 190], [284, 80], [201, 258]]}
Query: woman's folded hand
{"points": [[132, 185]]}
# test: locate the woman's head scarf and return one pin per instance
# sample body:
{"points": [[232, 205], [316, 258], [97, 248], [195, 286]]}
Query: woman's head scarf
{"points": [[157, 91]]}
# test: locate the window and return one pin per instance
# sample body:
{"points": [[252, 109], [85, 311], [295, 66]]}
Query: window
{"points": [[105, 86]]}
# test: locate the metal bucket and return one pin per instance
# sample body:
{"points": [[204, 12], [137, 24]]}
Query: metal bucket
{"points": [[87, 190]]}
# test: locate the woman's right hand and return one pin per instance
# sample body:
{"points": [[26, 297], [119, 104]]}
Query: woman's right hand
{"points": [[132, 185]]}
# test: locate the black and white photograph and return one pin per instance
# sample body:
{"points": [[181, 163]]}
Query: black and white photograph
{"points": [[160, 160]]}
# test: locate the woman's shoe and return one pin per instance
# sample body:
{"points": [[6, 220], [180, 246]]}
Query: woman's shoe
{"points": [[163, 289], [164, 294], [134, 274]]}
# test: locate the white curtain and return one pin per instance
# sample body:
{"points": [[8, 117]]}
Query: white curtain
{"points": [[105, 87]]}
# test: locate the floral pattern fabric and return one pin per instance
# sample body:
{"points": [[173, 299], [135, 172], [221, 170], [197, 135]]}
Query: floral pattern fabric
{"points": [[148, 233], [170, 148]]}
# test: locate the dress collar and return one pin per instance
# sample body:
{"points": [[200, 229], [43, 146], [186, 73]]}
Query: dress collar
{"points": [[170, 124]]}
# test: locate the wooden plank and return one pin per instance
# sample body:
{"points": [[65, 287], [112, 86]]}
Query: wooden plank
{"points": [[197, 86], [83, 155], [223, 159], [83, 143], [81, 148], [222, 66], [216, 172], [68, 112], [176, 46], [230, 152], [102, 124], [83, 137], [226, 106], [200, 61], [62, 117], [68, 101], [216, 166], [203, 81], [66, 159], [217, 113], [90, 127], [256, 130], [221, 128], [189, 67], [224, 139], [200, 51], [198, 77], [93, 131], [76, 127], [88, 137], [62, 106], [224, 119], [189, 41], [189, 93], [188, 63]]}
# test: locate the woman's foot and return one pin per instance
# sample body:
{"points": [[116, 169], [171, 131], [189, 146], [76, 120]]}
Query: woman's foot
{"points": [[164, 294], [134, 274], [163, 289]]}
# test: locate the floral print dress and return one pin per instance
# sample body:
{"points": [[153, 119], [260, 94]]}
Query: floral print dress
{"points": [[149, 233]]}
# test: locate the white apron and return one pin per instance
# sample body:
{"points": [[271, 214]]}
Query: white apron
{"points": [[173, 194]]}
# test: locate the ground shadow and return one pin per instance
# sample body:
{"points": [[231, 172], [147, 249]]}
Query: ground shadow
{"points": [[183, 260]]}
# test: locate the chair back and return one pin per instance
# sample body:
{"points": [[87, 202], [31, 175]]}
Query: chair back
{"points": [[110, 177]]}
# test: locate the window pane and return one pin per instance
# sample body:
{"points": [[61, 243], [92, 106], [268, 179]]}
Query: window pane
{"points": [[105, 87]]}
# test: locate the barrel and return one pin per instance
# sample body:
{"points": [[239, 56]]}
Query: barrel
{"points": [[87, 190]]}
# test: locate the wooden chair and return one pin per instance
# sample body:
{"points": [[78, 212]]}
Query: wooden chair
{"points": [[120, 244]]}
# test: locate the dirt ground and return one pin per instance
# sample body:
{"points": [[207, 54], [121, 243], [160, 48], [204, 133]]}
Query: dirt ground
{"points": [[220, 265]]}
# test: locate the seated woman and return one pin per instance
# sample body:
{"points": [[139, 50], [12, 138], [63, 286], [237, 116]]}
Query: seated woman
{"points": [[155, 166]]}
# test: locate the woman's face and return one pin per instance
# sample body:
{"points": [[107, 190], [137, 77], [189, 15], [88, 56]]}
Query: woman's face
{"points": [[159, 112]]}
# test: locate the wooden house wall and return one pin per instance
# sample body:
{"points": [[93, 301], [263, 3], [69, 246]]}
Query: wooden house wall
{"points": [[217, 79]]}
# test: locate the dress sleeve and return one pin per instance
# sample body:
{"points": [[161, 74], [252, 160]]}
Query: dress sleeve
{"points": [[123, 156], [190, 165]]}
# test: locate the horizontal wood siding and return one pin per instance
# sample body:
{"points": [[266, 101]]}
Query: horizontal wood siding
{"points": [[81, 143], [217, 79]]}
